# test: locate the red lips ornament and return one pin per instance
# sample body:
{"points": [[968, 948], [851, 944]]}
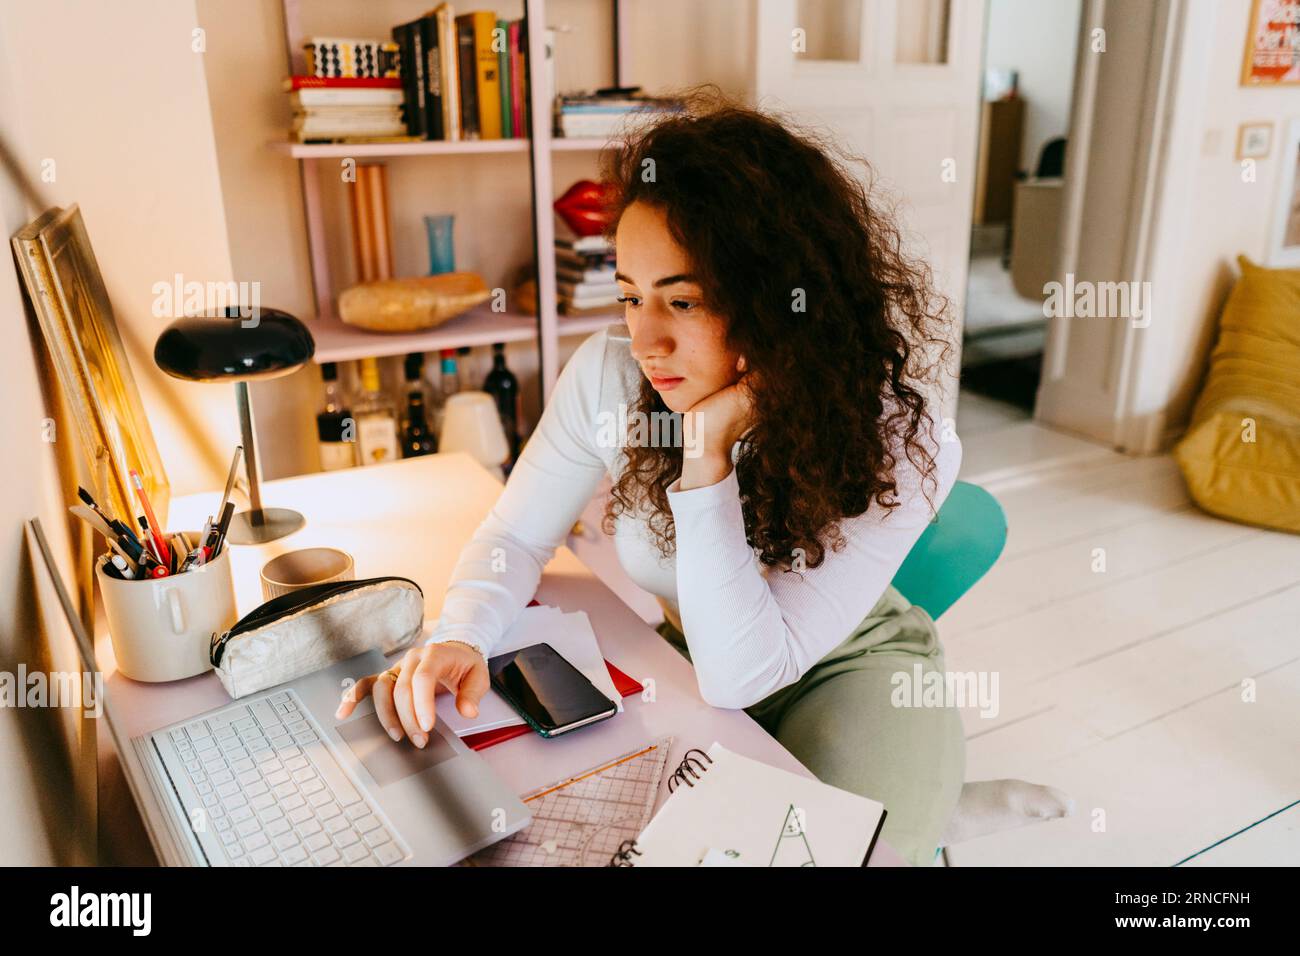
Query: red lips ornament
{"points": [[585, 207]]}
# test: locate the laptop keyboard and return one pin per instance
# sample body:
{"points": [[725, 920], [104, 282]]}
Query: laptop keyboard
{"points": [[273, 794]]}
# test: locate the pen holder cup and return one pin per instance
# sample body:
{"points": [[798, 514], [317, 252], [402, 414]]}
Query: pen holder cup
{"points": [[162, 628]]}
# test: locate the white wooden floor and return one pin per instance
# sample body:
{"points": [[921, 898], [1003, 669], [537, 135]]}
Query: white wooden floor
{"points": [[1124, 686]]}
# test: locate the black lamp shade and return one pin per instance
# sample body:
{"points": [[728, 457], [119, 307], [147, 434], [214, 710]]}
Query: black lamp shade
{"points": [[228, 346]]}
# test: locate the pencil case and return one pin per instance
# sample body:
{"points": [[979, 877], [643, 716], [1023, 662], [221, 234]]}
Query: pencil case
{"points": [[313, 627]]}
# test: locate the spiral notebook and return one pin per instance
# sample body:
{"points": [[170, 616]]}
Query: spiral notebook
{"points": [[729, 810]]}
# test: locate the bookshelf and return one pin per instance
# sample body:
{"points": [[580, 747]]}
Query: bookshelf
{"points": [[336, 341]]}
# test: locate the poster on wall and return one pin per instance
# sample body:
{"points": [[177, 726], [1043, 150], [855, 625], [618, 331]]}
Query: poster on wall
{"points": [[1272, 44]]}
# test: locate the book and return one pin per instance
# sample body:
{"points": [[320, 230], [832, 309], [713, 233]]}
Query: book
{"points": [[326, 124], [350, 56], [487, 77], [449, 72], [585, 245], [518, 78], [433, 83], [602, 288], [594, 274], [292, 83], [467, 67], [501, 40], [729, 810], [310, 98], [410, 42]]}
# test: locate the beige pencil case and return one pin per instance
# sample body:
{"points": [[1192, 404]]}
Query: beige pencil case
{"points": [[311, 628]]}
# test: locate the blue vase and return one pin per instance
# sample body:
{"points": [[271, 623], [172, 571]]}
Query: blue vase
{"points": [[442, 249]]}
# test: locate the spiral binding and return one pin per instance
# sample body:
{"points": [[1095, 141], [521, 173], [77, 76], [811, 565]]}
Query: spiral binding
{"points": [[626, 850], [688, 771]]}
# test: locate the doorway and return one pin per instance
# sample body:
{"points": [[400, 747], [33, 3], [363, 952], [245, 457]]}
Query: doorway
{"points": [[1028, 82]]}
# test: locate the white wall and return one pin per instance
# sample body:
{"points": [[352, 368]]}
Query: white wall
{"points": [[1209, 213], [1037, 38], [115, 96]]}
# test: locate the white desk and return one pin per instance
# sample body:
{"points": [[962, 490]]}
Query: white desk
{"points": [[411, 518]]}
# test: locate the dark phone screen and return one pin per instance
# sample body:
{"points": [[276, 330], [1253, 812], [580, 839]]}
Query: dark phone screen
{"points": [[548, 688]]}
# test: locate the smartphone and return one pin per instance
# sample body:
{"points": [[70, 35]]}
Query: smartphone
{"points": [[547, 691]]}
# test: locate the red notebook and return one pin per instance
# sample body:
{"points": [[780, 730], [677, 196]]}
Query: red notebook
{"points": [[626, 686]]}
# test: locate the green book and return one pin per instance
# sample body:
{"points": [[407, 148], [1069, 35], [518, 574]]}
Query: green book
{"points": [[502, 36]]}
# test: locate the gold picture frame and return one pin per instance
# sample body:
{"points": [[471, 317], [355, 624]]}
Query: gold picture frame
{"points": [[71, 303]]}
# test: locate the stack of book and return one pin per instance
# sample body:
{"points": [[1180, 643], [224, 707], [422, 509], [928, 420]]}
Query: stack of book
{"points": [[584, 275], [607, 113], [331, 109], [464, 77]]}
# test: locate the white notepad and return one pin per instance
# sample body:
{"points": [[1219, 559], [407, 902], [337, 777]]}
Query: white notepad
{"points": [[740, 812]]}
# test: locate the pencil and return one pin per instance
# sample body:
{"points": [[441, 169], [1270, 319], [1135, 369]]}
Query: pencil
{"points": [[164, 553]]}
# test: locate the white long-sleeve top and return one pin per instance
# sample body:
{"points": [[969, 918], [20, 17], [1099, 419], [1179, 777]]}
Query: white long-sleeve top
{"points": [[751, 630]]}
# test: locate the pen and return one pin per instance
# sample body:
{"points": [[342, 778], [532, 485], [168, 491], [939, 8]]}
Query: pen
{"points": [[164, 554], [149, 547], [123, 571], [226, 514], [230, 479]]}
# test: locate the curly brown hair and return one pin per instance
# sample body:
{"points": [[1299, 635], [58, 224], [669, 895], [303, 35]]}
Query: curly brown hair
{"points": [[767, 215]]}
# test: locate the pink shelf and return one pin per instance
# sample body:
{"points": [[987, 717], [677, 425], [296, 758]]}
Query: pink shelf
{"points": [[580, 144], [339, 342], [426, 148], [586, 324]]}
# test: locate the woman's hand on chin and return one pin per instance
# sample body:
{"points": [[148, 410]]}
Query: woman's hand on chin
{"points": [[404, 693], [709, 430]]}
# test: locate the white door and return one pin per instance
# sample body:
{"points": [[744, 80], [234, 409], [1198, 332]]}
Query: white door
{"points": [[896, 82], [1124, 89]]}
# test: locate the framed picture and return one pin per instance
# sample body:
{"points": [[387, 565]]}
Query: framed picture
{"points": [[1284, 237], [1272, 44], [71, 303], [1254, 140]]}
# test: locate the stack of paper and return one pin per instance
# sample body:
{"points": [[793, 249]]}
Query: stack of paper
{"points": [[571, 636]]}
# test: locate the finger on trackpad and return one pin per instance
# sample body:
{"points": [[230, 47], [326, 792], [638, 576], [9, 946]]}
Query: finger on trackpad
{"points": [[386, 760]]}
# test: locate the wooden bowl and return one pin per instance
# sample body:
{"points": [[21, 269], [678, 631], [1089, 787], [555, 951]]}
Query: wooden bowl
{"points": [[409, 305]]}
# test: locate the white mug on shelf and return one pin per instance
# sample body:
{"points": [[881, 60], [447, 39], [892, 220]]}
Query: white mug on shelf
{"points": [[470, 423], [161, 628]]}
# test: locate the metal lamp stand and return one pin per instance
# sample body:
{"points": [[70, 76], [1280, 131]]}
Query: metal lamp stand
{"points": [[258, 525]]}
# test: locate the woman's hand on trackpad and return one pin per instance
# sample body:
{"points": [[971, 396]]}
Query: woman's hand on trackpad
{"points": [[404, 694]]}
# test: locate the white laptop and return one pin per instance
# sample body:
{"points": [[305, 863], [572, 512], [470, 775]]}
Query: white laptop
{"points": [[274, 780]]}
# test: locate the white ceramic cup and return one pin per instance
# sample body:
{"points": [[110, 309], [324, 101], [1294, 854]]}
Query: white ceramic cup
{"points": [[162, 628], [303, 568]]}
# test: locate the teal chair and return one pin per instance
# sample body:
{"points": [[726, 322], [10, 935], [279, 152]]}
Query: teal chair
{"points": [[958, 548]]}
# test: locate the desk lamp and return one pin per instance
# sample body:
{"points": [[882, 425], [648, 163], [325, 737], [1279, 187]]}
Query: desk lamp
{"points": [[227, 346]]}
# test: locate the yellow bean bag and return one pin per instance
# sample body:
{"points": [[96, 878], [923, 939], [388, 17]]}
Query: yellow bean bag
{"points": [[1241, 454]]}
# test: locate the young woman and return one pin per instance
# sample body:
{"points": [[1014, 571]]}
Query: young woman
{"points": [[768, 302]]}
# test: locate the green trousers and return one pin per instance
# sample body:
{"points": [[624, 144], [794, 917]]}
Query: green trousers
{"points": [[841, 722]]}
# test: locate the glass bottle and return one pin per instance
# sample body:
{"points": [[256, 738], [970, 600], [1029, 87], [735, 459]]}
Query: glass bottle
{"points": [[449, 385], [416, 437], [334, 424], [376, 420], [502, 385]]}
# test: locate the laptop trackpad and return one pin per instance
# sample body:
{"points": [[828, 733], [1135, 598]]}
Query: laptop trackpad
{"points": [[385, 760]]}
